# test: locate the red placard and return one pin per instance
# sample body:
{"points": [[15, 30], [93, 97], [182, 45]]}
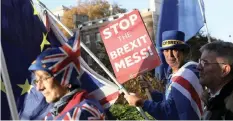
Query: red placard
{"points": [[129, 46]]}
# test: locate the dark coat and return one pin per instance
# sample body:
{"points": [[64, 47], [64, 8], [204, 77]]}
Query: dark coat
{"points": [[221, 106]]}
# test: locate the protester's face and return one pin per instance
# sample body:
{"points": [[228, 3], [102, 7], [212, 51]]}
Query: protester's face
{"points": [[48, 86], [174, 57], [210, 69]]}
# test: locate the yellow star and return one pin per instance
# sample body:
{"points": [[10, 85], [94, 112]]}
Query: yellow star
{"points": [[2, 86], [34, 10], [44, 41], [26, 87]]}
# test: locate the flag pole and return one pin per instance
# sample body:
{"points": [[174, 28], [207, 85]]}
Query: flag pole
{"points": [[8, 88], [94, 57], [201, 4]]}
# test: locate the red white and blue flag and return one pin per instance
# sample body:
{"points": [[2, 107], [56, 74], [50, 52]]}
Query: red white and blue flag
{"points": [[64, 61], [186, 81], [91, 113], [96, 85], [67, 65], [76, 110]]}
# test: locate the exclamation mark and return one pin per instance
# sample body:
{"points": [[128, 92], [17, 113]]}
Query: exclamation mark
{"points": [[150, 51]]}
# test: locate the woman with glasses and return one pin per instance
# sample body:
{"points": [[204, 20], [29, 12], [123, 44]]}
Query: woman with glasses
{"points": [[56, 77]]}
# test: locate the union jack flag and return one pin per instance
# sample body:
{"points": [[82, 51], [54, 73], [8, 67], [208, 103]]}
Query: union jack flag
{"points": [[99, 89], [66, 60], [85, 110], [66, 67], [97, 86]]}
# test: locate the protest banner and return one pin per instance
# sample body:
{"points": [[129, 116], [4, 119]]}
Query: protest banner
{"points": [[129, 46]]}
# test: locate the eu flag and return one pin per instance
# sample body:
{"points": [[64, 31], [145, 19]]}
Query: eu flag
{"points": [[22, 35], [183, 15]]}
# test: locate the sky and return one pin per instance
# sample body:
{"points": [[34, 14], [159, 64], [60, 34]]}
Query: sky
{"points": [[219, 14]]}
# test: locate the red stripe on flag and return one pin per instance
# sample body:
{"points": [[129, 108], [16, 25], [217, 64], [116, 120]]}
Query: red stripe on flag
{"points": [[185, 83], [64, 79], [90, 110], [66, 117], [109, 98], [75, 113], [54, 56]]}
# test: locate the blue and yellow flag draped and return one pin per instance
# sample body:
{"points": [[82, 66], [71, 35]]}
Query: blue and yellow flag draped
{"points": [[22, 35]]}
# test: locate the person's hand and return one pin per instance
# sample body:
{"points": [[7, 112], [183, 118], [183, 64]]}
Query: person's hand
{"points": [[134, 100]]}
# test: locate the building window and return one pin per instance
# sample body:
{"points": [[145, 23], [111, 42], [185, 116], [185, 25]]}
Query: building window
{"points": [[88, 41], [89, 60], [98, 37], [98, 40]]}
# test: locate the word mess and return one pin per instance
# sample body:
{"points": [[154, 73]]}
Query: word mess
{"points": [[134, 59]]}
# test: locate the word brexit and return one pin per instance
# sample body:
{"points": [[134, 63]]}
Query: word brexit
{"points": [[133, 58]]}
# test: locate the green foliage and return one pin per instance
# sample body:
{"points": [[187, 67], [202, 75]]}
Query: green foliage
{"points": [[126, 112]]}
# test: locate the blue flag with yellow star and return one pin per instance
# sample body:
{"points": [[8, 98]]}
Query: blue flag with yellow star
{"points": [[22, 40], [24, 36]]}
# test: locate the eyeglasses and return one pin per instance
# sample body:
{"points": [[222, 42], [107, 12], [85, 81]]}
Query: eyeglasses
{"points": [[203, 62], [36, 81]]}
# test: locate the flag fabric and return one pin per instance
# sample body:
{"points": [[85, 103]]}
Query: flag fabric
{"points": [[182, 15], [22, 34], [98, 87], [84, 110], [106, 95], [202, 4], [90, 81], [62, 62], [189, 90], [182, 98]]}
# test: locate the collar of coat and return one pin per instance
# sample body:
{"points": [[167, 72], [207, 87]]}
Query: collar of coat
{"points": [[229, 102], [224, 98]]}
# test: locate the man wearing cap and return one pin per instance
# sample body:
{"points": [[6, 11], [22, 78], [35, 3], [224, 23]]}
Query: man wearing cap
{"points": [[181, 100], [57, 80]]}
